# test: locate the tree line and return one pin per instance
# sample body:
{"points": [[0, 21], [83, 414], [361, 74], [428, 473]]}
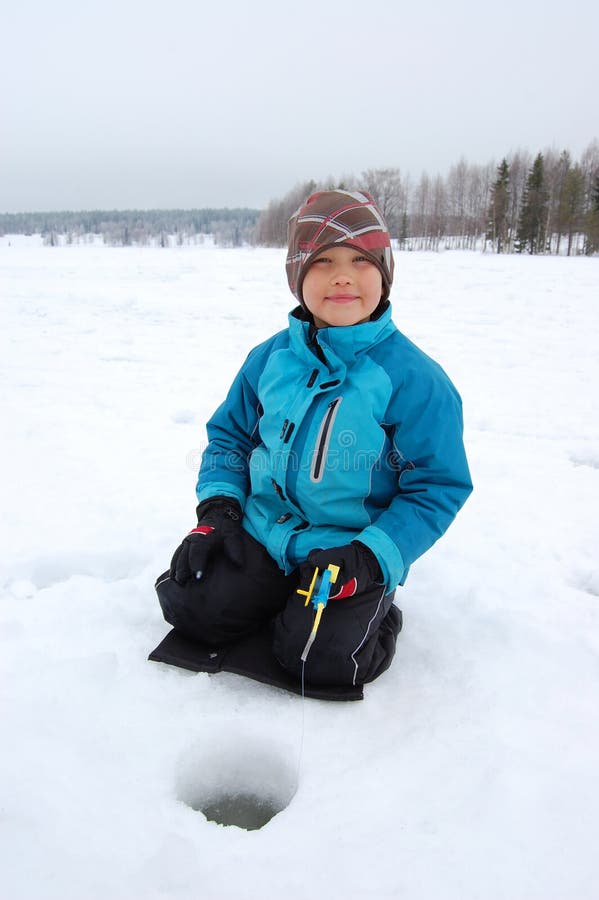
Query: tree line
{"points": [[545, 204], [548, 203]]}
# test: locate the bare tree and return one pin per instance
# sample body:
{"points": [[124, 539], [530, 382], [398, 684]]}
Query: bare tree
{"points": [[385, 185], [271, 228], [479, 192], [455, 197], [438, 212], [421, 212]]}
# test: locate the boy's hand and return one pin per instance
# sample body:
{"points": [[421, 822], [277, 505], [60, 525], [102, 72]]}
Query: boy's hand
{"points": [[218, 528], [359, 569]]}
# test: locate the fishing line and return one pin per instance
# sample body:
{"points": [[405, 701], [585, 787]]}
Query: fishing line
{"points": [[303, 729], [318, 592]]}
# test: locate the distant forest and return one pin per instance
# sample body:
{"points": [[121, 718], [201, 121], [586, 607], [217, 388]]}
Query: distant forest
{"points": [[547, 203], [228, 227]]}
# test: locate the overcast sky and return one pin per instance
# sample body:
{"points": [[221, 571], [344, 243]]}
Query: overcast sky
{"points": [[185, 103]]}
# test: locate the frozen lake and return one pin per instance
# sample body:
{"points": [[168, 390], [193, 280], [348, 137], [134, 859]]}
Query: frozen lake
{"points": [[470, 770]]}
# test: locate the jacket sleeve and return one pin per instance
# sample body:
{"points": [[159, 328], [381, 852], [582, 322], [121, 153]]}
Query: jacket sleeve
{"points": [[433, 476], [232, 435]]}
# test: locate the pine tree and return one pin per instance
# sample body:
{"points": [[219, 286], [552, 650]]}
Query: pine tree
{"points": [[533, 215], [572, 203], [498, 227], [558, 215], [404, 231], [592, 221]]}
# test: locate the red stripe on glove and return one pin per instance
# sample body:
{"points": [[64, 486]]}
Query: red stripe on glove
{"points": [[346, 590]]}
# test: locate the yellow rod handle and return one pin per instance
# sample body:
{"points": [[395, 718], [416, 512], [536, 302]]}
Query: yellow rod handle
{"points": [[308, 594]]}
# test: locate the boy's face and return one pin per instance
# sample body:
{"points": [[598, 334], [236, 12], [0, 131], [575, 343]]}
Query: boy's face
{"points": [[341, 287]]}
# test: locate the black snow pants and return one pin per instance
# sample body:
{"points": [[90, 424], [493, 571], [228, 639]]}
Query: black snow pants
{"points": [[355, 641]]}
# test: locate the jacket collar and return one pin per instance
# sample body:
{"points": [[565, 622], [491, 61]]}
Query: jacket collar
{"points": [[338, 344]]}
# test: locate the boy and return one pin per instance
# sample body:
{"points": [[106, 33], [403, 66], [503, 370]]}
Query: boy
{"points": [[340, 443]]}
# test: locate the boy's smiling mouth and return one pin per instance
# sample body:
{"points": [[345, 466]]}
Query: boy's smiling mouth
{"points": [[342, 298]]}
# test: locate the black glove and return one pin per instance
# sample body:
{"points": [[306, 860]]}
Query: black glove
{"points": [[218, 528], [359, 569]]}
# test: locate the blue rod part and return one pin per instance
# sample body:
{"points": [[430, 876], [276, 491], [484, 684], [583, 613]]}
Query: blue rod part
{"points": [[321, 594]]}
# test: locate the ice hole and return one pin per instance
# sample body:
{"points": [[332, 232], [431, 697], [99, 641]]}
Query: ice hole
{"points": [[243, 810], [238, 781]]}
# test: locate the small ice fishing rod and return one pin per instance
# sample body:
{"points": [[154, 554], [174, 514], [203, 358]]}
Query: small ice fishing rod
{"points": [[318, 592]]}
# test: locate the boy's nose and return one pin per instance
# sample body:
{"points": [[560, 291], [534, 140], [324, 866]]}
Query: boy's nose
{"points": [[341, 276]]}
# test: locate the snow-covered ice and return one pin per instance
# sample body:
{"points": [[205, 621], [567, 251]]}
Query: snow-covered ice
{"points": [[471, 768]]}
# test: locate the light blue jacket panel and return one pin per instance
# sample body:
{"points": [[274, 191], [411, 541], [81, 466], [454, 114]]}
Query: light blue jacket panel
{"points": [[337, 434]]}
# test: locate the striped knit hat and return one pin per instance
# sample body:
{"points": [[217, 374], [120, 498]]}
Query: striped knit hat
{"points": [[330, 218]]}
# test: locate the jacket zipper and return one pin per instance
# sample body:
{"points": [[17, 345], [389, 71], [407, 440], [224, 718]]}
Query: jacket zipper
{"points": [[323, 440]]}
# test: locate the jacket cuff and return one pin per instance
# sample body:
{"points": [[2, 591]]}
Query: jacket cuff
{"points": [[387, 553], [371, 561], [215, 489]]}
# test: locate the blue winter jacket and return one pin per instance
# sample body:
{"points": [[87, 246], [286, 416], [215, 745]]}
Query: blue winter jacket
{"points": [[335, 434]]}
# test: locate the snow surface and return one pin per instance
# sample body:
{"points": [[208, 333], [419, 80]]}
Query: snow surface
{"points": [[471, 768]]}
